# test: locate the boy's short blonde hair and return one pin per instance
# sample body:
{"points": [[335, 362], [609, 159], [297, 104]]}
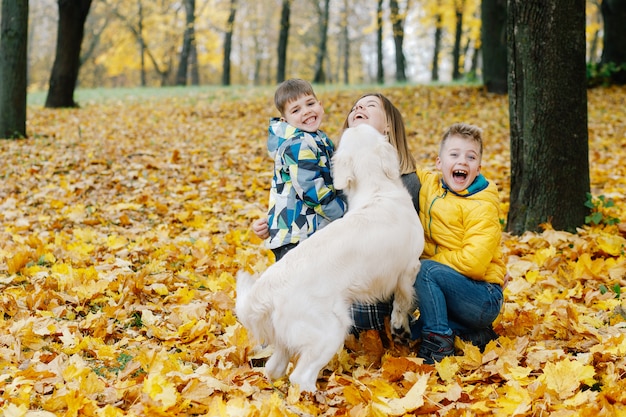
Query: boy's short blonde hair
{"points": [[290, 90], [465, 131]]}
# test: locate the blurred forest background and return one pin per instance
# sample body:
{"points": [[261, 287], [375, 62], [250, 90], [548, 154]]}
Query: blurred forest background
{"points": [[544, 54], [144, 42]]}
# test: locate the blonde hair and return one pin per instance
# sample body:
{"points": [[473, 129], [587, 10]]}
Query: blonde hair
{"points": [[290, 90], [465, 131], [396, 134]]}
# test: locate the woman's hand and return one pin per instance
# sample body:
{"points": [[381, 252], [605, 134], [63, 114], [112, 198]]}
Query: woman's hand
{"points": [[261, 228]]}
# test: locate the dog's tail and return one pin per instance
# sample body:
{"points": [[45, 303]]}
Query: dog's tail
{"points": [[251, 310]]}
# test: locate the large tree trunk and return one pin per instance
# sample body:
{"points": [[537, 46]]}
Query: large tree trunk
{"points": [[188, 39], [548, 114], [380, 70], [71, 27], [318, 76], [494, 49], [228, 41], [614, 48], [13, 48], [397, 22], [283, 37]]}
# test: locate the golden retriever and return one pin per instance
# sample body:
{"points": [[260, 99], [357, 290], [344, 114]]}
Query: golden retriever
{"points": [[301, 304]]}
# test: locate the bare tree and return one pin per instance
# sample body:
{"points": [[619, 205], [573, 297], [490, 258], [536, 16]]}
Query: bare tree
{"points": [[323, 13], [614, 47], [188, 42], [459, 5], [228, 41], [344, 44], [13, 47], [283, 37], [380, 69], [548, 114], [397, 22], [135, 24], [71, 28], [494, 48], [434, 74]]}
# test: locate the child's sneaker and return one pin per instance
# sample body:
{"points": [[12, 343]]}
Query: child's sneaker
{"points": [[435, 347], [479, 338]]}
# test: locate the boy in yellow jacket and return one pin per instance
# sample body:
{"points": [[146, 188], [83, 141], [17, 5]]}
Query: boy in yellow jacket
{"points": [[459, 286]]}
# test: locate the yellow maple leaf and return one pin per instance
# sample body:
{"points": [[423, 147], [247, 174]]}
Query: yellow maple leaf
{"points": [[116, 242], [517, 373], [447, 368], [611, 244], [564, 377], [161, 390], [543, 255], [352, 395], [18, 261], [413, 399], [514, 400]]}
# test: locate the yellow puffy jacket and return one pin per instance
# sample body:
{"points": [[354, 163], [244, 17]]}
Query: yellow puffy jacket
{"points": [[462, 231]]}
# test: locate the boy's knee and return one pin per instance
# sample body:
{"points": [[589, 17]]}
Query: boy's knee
{"points": [[425, 269]]}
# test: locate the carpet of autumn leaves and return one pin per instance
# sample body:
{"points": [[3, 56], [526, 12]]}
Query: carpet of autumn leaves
{"points": [[123, 223]]}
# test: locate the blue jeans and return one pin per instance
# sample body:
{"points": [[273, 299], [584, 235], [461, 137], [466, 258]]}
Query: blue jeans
{"points": [[450, 303]]}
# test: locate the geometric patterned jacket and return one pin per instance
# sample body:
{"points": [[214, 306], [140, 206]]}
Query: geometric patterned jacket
{"points": [[302, 196]]}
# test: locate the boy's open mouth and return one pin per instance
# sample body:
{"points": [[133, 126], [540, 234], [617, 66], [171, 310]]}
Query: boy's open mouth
{"points": [[459, 174]]}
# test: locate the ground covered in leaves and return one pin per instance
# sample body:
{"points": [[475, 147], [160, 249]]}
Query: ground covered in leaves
{"points": [[123, 223]]}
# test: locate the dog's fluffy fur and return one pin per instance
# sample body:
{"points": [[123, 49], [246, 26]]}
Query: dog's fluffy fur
{"points": [[301, 304]]}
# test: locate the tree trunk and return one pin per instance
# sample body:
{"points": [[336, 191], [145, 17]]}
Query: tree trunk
{"points": [[494, 48], [474, 67], [283, 37], [614, 47], [345, 43], [71, 28], [434, 74], [380, 70], [548, 114], [188, 39], [228, 41], [397, 22], [318, 76], [142, 43], [193, 63], [13, 48], [456, 50]]}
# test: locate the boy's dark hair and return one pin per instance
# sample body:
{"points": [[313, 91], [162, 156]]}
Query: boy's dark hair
{"points": [[465, 131], [290, 90]]}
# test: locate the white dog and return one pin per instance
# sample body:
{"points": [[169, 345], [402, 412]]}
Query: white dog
{"points": [[301, 304]]}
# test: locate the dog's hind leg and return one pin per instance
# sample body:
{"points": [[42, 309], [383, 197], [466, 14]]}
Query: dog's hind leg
{"points": [[309, 365], [276, 365], [403, 302], [317, 355]]}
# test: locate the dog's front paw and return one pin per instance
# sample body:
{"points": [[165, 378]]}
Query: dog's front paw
{"points": [[401, 335]]}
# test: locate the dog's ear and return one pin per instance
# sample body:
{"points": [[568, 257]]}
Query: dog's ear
{"points": [[343, 170], [389, 160]]}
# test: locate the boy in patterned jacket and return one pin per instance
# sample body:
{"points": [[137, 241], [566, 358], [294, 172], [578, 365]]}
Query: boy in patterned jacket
{"points": [[302, 196]]}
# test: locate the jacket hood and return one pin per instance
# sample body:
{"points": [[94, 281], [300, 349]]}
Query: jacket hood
{"points": [[278, 133]]}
